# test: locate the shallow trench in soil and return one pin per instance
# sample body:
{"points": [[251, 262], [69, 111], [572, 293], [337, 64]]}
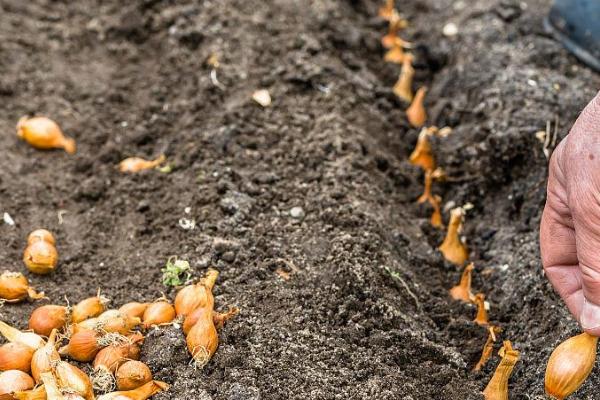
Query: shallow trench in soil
{"points": [[365, 311]]}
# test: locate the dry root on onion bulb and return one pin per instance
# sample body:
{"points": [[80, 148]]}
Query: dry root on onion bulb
{"points": [[14, 335], [569, 365], [14, 381], [43, 133], [403, 87], [15, 355], [453, 248], [416, 113], [195, 296], [132, 374], [497, 387], [488, 347], [40, 255], [111, 321], [462, 291], [89, 308], [158, 313], [142, 393], [110, 358], [137, 164], [48, 317], [14, 287], [45, 358]]}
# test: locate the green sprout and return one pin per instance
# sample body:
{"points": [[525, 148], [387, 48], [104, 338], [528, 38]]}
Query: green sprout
{"points": [[176, 272], [166, 169]]}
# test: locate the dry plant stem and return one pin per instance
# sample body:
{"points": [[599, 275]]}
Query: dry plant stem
{"points": [[396, 24], [385, 11], [403, 87], [497, 388], [436, 215], [488, 348], [426, 196], [482, 315], [416, 113], [462, 291], [453, 249]]}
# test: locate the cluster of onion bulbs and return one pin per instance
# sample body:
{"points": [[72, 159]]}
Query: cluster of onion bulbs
{"points": [[34, 362]]}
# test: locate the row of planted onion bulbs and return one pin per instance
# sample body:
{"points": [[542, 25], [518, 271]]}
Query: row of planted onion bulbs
{"points": [[111, 339]]}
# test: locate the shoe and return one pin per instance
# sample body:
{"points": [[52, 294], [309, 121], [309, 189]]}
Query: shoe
{"points": [[576, 24]]}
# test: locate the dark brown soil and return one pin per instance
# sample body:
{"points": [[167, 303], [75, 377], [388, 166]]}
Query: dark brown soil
{"points": [[365, 313]]}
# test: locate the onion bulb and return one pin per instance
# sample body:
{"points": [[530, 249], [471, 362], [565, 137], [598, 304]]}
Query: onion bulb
{"points": [[132, 374], [46, 318], [462, 291], [15, 355], [14, 381], [39, 393], [569, 365], [110, 358], [158, 313], [108, 323], [422, 155], [29, 339], [40, 257], [72, 379], [43, 133], [386, 11], [44, 358], [83, 346], [136, 164], [403, 87], [14, 287], [195, 296], [134, 309], [218, 318], [453, 249], [89, 308], [416, 113], [142, 393], [202, 340]]}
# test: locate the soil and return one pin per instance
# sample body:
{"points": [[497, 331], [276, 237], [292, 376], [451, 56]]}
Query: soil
{"points": [[365, 312]]}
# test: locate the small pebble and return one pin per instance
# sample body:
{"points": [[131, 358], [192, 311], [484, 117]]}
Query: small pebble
{"points": [[228, 256], [297, 213], [450, 29]]}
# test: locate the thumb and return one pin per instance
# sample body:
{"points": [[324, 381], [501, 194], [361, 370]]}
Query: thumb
{"points": [[582, 166]]}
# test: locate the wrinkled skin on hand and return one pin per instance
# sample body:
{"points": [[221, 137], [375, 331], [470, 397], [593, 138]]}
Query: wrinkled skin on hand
{"points": [[570, 228]]}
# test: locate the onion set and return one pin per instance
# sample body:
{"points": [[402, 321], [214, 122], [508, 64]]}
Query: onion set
{"points": [[89, 308], [137, 164], [462, 291], [453, 248], [569, 365], [14, 287], [40, 255], [48, 317], [416, 113], [497, 387], [132, 374], [43, 133]]}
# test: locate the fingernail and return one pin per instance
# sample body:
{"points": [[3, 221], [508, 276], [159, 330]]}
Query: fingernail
{"points": [[590, 315]]}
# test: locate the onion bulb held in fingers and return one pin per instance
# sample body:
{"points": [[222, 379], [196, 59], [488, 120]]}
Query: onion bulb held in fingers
{"points": [[570, 364], [43, 133]]}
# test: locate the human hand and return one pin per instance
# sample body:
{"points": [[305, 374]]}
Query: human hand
{"points": [[570, 228]]}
